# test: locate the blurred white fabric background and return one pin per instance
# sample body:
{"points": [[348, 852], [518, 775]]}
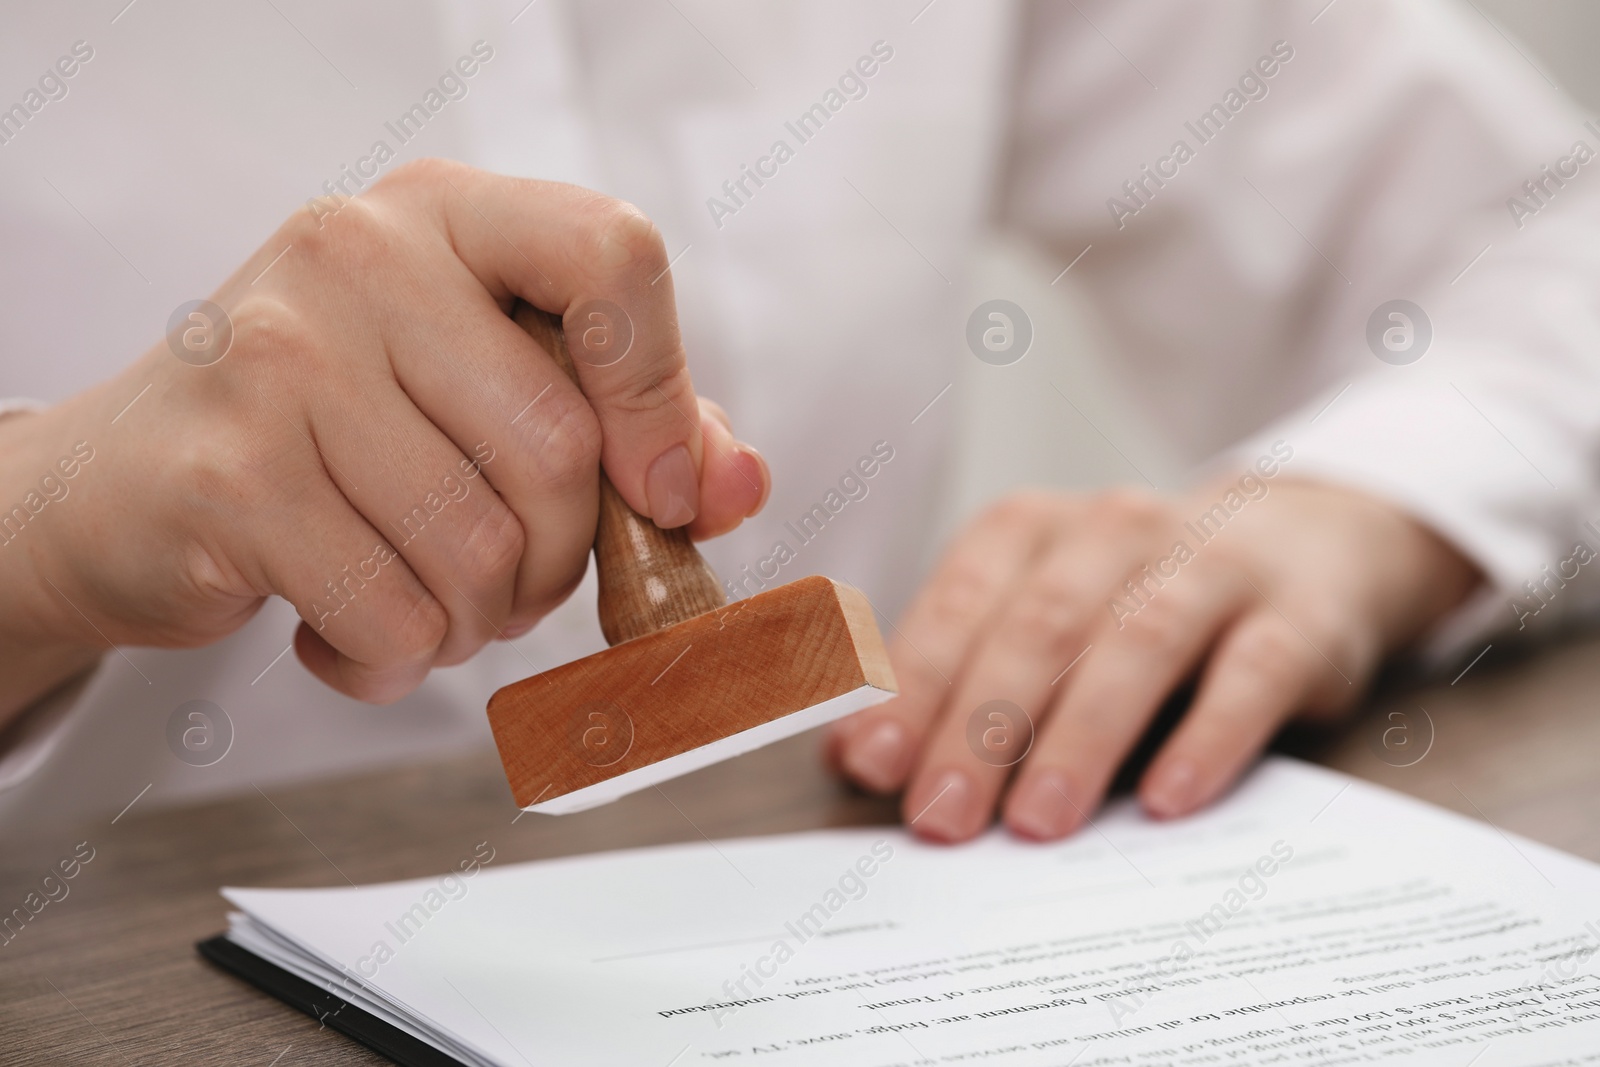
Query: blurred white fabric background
{"points": [[289, 122], [1011, 430]]}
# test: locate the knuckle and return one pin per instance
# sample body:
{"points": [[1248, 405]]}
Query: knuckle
{"points": [[217, 472], [923, 682], [1351, 652], [367, 686], [489, 554], [958, 596], [567, 443], [534, 606], [624, 240], [205, 575], [1162, 625], [1126, 506], [217, 596], [233, 471], [647, 391], [357, 236], [1025, 507], [1232, 560], [1273, 653], [348, 233], [305, 229], [1045, 616], [268, 330], [415, 637], [375, 684], [428, 171]]}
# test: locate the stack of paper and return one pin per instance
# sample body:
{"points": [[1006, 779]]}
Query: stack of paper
{"points": [[1308, 918]]}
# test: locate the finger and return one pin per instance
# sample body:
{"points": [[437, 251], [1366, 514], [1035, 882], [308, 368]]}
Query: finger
{"points": [[376, 628], [734, 480], [710, 409], [1137, 660], [571, 252], [411, 482], [1260, 673], [1040, 628], [877, 748], [522, 424]]}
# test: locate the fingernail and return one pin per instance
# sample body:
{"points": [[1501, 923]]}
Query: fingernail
{"points": [[944, 812], [879, 758], [1041, 807], [754, 467], [672, 486], [1174, 790]]}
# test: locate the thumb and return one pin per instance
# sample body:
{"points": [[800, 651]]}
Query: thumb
{"points": [[630, 363], [602, 266]]}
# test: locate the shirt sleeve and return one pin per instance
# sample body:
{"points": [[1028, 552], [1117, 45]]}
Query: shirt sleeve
{"points": [[17, 405], [29, 738], [1257, 191]]}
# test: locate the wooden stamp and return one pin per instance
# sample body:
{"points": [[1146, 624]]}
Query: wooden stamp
{"points": [[689, 679]]}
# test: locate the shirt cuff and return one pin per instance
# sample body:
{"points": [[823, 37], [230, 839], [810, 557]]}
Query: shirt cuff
{"points": [[1431, 454], [29, 739], [20, 404]]}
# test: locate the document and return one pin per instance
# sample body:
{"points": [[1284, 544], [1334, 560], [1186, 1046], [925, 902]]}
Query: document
{"points": [[1308, 918]]}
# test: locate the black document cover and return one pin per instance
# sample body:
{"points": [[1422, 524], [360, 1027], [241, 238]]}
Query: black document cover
{"points": [[330, 1010]]}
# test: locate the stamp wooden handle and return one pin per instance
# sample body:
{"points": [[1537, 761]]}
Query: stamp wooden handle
{"points": [[650, 578]]}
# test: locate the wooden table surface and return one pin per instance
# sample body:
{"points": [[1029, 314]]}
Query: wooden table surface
{"points": [[109, 974]]}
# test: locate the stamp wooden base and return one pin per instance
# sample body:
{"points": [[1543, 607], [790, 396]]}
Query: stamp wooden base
{"points": [[714, 686]]}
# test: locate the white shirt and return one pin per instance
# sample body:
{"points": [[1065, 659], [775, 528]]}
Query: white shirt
{"points": [[824, 306]]}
